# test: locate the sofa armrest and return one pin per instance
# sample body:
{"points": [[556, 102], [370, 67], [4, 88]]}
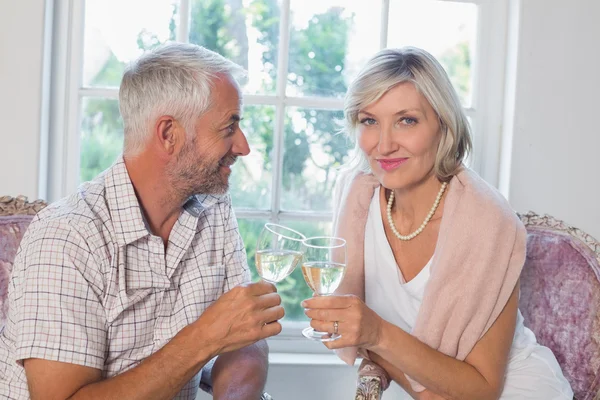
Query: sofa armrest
{"points": [[368, 387]]}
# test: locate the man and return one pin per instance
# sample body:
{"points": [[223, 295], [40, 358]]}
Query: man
{"points": [[130, 287]]}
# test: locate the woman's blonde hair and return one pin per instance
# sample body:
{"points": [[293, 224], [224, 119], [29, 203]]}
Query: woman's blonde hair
{"points": [[391, 67]]}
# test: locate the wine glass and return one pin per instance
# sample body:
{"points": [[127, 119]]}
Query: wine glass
{"points": [[323, 268], [278, 252]]}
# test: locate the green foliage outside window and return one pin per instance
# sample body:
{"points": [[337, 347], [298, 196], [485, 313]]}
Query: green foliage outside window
{"points": [[313, 148]]}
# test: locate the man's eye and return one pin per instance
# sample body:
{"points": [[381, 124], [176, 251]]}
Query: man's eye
{"points": [[230, 129]]}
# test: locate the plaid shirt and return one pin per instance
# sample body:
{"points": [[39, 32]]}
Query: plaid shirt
{"points": [[91, 286]]}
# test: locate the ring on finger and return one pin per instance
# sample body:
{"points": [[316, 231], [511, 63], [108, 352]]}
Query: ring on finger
{"points": [[335, 327]]}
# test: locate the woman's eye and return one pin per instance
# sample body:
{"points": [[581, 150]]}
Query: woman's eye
{"points": [[408, 121], [367, 121]]}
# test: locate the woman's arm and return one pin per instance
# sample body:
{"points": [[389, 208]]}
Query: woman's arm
{"points": [[399, 377], [479, 377]]}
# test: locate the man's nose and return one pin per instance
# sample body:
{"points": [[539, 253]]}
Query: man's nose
{"points": [[240, 144]]}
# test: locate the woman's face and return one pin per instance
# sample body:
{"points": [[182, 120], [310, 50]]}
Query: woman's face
{"points": [[400, 134]]}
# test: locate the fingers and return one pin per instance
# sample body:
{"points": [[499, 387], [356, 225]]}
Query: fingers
{"points": [[268, 300], [260, 288], [272, 314], [337, 344], [324, 326], [328, 314], [330, 301], [272, 329]]}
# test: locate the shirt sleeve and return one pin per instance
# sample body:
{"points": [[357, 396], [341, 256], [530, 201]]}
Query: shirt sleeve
{"points": [[236, 262], [206, 383], [56, 307]]}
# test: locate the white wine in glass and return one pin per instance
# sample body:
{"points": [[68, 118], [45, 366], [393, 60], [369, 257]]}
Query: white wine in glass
{"points": [[323, 277], [276, 265], [278, 252], [323, 268]]}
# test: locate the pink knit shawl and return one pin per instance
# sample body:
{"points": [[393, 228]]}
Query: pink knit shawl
{"points": [[478, 258]]}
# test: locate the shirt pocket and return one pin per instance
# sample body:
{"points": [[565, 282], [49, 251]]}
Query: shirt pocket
{"points": [[199, 287]]}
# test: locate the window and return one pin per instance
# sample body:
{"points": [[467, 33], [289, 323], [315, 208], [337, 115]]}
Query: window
{"points": [[300, 56]]}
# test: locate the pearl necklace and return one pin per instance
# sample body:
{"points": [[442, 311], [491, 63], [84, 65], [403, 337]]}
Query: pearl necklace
{"points": [[423, 225]]}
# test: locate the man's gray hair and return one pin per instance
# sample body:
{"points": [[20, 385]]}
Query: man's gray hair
{"points": [[175, 79], [391, 67]]}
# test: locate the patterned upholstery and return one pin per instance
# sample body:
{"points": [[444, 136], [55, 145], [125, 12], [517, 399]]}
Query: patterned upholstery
{"points": [[368, 388], [560, 298], [560, 302], [15, 216]]}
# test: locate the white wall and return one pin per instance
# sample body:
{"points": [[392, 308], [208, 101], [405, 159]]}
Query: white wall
{"points": [[555, 166], [21, 70]]}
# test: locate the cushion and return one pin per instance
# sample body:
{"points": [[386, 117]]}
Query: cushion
{"points": [[12, 228], [560, 302]]}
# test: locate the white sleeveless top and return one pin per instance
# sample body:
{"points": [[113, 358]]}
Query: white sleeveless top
{"points": [[532, 370]]}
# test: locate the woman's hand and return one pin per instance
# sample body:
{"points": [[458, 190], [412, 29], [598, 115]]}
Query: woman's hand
{"points": [[357, 323]]}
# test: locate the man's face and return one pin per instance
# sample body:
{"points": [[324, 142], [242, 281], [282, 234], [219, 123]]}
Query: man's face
{"points": [[204, 163]]}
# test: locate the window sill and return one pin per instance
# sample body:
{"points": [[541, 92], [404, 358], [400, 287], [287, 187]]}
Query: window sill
{"points": [[291, 348], [307, 359], [291, 341]]}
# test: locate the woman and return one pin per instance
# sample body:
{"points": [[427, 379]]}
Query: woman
{"points": [[434, 253]]}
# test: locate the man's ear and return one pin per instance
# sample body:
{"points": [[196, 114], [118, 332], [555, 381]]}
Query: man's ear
{"points": [[170, 134]]}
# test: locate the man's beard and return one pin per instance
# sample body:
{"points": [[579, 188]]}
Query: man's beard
{"points": [[191, 175]]}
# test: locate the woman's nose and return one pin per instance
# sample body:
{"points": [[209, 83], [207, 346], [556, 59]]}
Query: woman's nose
{"points": [[386, 141]]}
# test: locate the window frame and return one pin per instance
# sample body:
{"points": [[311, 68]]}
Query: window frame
{"points": [[66, 94]]}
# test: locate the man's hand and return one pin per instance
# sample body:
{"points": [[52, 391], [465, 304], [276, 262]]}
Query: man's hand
{"points": [[242, 316]]}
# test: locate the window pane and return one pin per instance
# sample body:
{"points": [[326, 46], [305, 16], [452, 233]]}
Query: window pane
{"points": [[118, 31], [313, 152], [101, 136], [329, 41], [246, 32], [251, 177], [250, 229], [443, 28]]}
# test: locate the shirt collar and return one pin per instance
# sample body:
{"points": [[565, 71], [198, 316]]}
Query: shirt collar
{"points": [[126, 212], [200, 202], [123, 205]]}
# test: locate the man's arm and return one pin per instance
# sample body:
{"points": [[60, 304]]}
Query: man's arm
{"points": [[160, 376], [241, 374], [239, 318]]}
